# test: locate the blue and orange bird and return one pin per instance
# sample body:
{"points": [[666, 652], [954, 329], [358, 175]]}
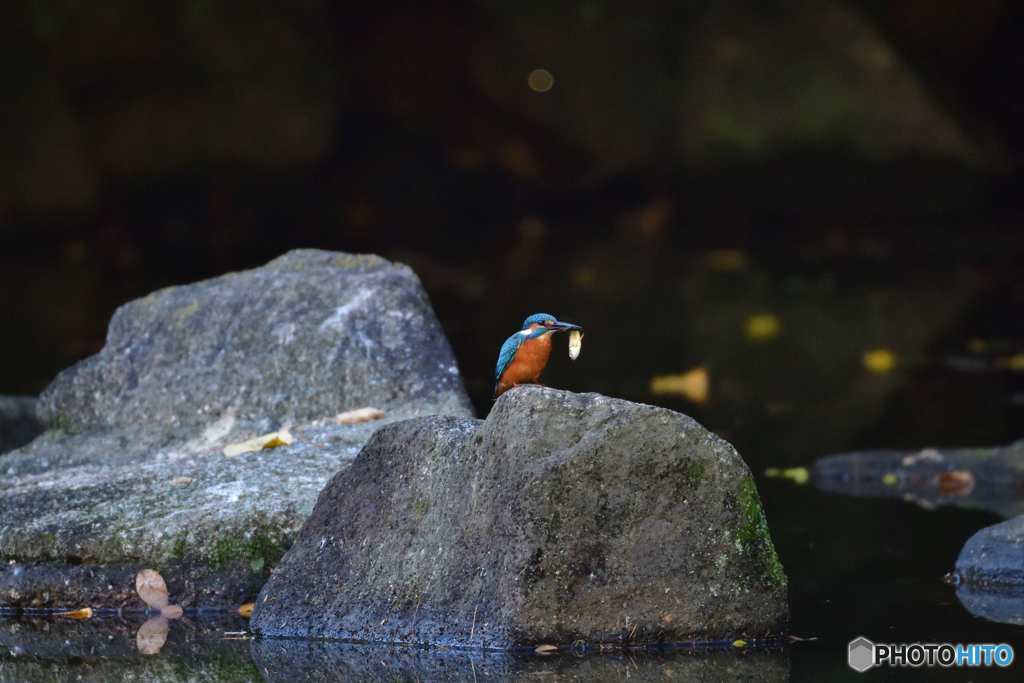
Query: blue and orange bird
{"points": [[525, 354]]}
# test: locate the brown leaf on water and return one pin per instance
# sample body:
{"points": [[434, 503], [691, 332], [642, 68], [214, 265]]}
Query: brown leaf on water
{"points": [[545, 649], [80, 614], [246, 610], [692, 385], [152, 588], [152, 635], [354, 417], [271, 440], [171, 612], [956, 483]]}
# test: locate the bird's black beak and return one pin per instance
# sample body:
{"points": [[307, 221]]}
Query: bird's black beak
{"points": [[565, 327]]}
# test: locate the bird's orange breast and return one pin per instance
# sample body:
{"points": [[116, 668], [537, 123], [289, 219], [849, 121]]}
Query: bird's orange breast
{"points": [[529, 362]]}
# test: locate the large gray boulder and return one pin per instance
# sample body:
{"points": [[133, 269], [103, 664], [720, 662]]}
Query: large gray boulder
{"points": [[132, 472], [560, 518], [18, 422], [307, 335]]}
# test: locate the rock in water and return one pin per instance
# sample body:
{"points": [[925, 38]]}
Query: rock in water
{"points": [[132, 472], [309, 335], [560, 518], [990, 572], [994, 556], [18, 422]]}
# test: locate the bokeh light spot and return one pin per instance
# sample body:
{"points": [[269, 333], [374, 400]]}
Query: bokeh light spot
{"points": [[540, 80]]}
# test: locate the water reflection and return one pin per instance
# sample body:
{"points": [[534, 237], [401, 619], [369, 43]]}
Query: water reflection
{"points": [[208, 647], [1003, 605], [294, 660], [977, 478]]}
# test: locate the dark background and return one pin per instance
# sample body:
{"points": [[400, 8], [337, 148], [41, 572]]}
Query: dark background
{"points": [[848, 170]]}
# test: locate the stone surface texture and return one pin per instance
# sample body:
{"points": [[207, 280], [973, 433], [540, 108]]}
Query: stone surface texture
{"points": [[132, 474], [561, 518]]}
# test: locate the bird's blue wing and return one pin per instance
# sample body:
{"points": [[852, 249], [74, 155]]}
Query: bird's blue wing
{"points": [[507, 353]]}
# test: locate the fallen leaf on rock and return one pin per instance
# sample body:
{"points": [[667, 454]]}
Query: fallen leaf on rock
{"points": [[181, 481], [152, 635], [354, 417], [81, 614], [271, 440], [692, 385], [545, 649], [956, 483], [152, 588], [171, 612], [797, 475], [246, 610]]}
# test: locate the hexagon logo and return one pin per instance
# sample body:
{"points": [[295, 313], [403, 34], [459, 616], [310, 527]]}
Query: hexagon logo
{"points": [[861, 654]]}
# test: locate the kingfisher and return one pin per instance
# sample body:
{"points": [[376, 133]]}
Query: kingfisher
{"points": [[525, 354]]}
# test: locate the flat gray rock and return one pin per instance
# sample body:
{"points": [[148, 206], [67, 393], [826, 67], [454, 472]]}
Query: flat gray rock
{"points": [[561, 518], [18, 422], [132, 473]]}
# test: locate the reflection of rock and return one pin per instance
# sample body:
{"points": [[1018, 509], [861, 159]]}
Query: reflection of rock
{"points": [[18, 422], [983, 478], [132, 473], [990, 570], [290, 660], [561, 517], [1005, 605], [109, 649]]}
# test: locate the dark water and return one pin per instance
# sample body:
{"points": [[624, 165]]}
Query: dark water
{"points": [[945, 305]]}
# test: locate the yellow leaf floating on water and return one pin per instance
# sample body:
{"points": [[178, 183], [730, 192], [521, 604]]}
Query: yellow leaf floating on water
{"points": [[575, 343], [246, 610], [354, 417], [692, 385], [545, 649], [739, 643], [890, 479], [795, 474], [762, 327], [152, 588], [80, 614], [271, 440], [879, 361]]}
